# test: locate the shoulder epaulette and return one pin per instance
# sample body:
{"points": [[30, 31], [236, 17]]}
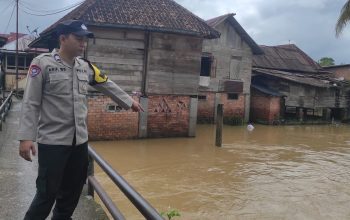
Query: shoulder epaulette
{"points": [[99, 77]]}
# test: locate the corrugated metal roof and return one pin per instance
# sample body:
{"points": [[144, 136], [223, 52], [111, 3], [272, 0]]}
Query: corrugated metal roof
{"points": [[336, 66], [161, 15], [238, 28], [285, 57], [23, 43], [318, 80]]}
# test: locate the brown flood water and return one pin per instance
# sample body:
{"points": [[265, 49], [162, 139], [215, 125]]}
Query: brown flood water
{"points": [[273, 172]]}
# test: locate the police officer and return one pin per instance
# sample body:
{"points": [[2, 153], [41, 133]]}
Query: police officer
{"points": [[54, 112]]}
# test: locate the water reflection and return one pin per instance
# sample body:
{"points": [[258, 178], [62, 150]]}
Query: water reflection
{"points": [[290, 172]]}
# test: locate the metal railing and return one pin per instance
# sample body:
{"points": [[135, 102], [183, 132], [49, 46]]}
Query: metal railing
{"points": [[137, 200], [4, 108]]}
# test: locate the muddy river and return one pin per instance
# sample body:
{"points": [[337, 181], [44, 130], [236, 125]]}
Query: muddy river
{"points": [[272, 172]]}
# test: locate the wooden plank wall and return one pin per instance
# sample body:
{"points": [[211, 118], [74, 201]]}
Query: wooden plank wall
{"points": [[173, 64], [232, 55], [120, 55], [300, 95]]}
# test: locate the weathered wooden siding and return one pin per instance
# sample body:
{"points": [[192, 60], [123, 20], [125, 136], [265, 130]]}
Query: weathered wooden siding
{"points": [[232, 61], [120, 54], [173, 64], [233, 57], [305, 96]]}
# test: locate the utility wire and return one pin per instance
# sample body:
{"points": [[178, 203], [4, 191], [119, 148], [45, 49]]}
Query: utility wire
{"points": [[10, 18], [11, 2], [31, 9], [53, 13]]}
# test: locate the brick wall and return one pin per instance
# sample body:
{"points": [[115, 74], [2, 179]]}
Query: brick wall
{"points": [[264, 108], [206, 107], [341, 72], [168, 116], [232, 108], [104, 125]]}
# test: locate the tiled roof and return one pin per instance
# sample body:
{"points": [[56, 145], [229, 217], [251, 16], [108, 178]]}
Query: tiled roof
{"points": [[153, 15], [285, 57]]}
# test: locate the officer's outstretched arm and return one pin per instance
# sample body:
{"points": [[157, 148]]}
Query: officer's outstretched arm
{"points": [[101, 83]]}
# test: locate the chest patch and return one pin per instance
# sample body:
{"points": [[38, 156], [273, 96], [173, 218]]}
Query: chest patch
{"points": [[34, 70]]}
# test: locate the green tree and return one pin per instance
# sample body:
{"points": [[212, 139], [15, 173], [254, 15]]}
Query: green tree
{"points": [[343, 18], [326, 61]]}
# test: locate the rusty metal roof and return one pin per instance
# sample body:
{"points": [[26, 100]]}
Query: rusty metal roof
{"points": [[152, 15], [238, 28], [285, 57], [324, 80]]}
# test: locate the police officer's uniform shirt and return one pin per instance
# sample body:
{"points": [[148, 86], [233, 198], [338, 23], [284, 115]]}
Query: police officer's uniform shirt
{"points": [[54, 106]]}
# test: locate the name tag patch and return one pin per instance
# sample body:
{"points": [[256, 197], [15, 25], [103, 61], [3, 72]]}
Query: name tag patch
{"points": [[34, 70]]}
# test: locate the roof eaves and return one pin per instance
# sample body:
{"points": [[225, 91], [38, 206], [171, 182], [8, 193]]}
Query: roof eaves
{"points": [[266, 90], [291, 78], [149, 28], [255, 47]]}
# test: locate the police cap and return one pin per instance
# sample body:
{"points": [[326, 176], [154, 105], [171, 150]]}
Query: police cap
{"points": [[75, 27]]}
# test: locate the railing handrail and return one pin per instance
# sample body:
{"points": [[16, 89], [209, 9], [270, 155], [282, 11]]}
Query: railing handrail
{"points": [[3, 105], [138, 201]]}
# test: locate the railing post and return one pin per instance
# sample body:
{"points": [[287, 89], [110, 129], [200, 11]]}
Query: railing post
{"points": [[4, 108], [90, 173]]}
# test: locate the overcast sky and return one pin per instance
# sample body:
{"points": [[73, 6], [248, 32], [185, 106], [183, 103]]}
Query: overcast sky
{"points": [[309, 24]]}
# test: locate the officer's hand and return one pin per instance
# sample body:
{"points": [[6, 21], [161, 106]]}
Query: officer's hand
{"points": [[24, 150], [136, 107]]}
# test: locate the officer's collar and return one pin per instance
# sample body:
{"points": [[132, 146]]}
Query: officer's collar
{"points": [[78, 61]]}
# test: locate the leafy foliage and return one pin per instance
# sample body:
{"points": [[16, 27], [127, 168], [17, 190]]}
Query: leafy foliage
{"points": [[343, 19], [326, 61], [171, 214]]}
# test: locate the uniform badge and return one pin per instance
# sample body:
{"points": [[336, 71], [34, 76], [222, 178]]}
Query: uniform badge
{"points": [[34, 70], [57, 57]]}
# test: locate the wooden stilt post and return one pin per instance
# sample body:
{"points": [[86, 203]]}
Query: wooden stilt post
{"points": [[219, 124]]}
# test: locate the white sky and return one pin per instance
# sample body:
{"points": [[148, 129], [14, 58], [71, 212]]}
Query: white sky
{"points": [[310, 24]]}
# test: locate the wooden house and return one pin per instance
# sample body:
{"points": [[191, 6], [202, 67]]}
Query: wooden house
{"points": [[226, 71], [152, 49], [8, 61], [288, 85]]}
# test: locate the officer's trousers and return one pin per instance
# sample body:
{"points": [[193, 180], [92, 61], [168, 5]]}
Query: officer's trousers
{"points": [[61, 177]]}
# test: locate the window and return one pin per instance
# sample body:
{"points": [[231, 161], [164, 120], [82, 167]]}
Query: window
{"points": [[206, 66], [202, 97], [23, 62], [232, 96], [235, 67], [113, 108], [11, 62]]}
